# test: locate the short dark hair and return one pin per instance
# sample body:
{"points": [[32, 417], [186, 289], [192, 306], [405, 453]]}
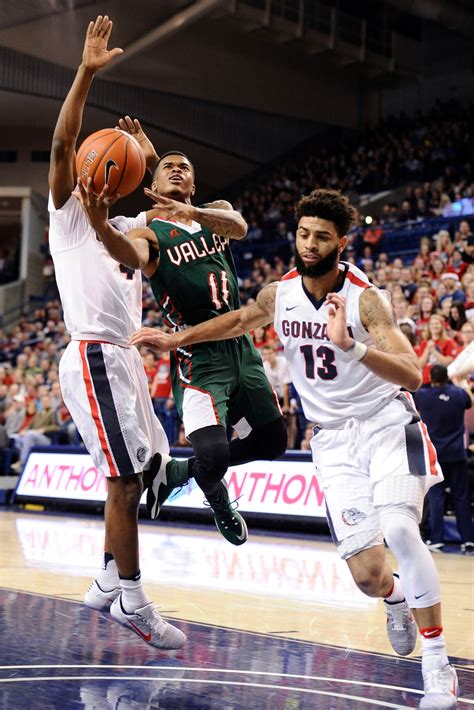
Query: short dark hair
{"points": [[330, 205], [171, 152], [439, 374]]}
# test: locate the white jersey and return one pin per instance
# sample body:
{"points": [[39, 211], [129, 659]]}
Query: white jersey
{"points": [[101, 299], [332, 385]]}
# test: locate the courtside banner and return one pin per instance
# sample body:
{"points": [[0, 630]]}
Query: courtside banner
{"points": [[286, 487]]}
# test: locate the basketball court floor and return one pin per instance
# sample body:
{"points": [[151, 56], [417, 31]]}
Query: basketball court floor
{"points": [[276, 624]]}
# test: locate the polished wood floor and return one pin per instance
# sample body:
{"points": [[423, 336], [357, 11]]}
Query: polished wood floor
{"points": [[294, 587]]}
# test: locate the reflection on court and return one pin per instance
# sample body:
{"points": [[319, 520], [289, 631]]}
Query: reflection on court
{"points": [[275, 624]]}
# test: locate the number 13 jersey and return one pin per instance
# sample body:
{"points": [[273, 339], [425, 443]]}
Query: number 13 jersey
{"points": [[196, 278], [332, 386]]}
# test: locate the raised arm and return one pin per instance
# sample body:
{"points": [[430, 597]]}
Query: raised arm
{"points": [[62, 171], [218, 216], [393, 358], [229, 325]]}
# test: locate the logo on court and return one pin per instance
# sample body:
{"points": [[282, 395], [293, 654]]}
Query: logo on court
{"points": [[352, 516], [141, 454]]}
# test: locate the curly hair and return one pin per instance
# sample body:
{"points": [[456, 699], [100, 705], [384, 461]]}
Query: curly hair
{"points": [[329, 205]]}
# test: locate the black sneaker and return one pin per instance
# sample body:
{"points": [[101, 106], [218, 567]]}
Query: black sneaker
{"points": [[164, 476], [228, 521], [467, 548]]}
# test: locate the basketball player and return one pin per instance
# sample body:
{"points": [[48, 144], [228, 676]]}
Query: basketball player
{"points": [[186, 255], [348, 360], [102, 378]]}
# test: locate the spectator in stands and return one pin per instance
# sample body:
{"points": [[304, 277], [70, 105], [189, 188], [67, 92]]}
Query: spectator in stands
{"points": [[400, 307], [162, 396], [442, 407], [457, 315], [427, 308], [436, 349], [36, 431], [453, 287], [409, 287], [278, 375], [15, 415], [181, 442], [305, 444]]}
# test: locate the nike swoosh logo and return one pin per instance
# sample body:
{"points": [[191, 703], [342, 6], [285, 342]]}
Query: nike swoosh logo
{"points": [[145, 637], [420, 595], [108, 167], [431, 633], [290, 308]]}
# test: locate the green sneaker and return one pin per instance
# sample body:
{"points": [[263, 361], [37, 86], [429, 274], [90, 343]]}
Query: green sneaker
{"points": [[164, 476], [228, 521]]}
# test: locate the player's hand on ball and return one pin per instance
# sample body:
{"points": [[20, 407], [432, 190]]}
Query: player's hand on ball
{"points": [[133, 126], [337, 323], [171, 209], [154, 339], [95, 54], [95, 206]]}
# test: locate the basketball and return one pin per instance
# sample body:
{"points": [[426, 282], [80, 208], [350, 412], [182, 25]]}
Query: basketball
{"points": [[111, 157]]}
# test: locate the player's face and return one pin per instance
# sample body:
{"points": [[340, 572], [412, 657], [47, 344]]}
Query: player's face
{"points": [[174, 177], [318, 246]]}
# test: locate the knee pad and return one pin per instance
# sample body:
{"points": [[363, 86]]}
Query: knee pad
{"points": [[211, 451]]}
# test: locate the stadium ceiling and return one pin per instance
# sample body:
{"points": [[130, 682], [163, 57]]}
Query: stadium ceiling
{"points": [[256, 55]]}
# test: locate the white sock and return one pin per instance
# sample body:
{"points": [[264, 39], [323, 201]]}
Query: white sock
{"points": [[108, 577], [133, 595], [434, 652], [396, 595]]}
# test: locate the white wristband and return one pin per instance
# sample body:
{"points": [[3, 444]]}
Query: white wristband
{"points": [[357, 351]]}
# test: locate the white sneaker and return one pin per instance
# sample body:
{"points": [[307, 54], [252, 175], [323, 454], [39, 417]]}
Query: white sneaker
{"points": [[97, 598], [148, 624], [441, 689], [401, 627], [435, 546]]}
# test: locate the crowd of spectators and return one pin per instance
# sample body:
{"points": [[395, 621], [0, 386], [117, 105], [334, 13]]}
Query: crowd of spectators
{"points": [[435, 152]]}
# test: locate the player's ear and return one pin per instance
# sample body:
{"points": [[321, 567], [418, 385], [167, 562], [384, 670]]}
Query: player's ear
{"points": [[193, 190], [342, 244]]}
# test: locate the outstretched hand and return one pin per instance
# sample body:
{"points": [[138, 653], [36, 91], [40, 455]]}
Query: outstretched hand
{"points": [[95, 206], [95, 54], [154, 339], [133, 127], [337, 323], [171, 209]]}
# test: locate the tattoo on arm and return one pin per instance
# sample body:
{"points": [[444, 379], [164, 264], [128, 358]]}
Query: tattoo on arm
{"points": [[377, 317]]}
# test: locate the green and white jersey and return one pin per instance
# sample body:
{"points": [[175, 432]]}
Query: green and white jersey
{"points": [[196, 278]]}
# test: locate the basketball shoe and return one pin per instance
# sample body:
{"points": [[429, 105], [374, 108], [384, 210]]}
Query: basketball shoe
{"points": [[164, 476], [401, 627], [98, 598], [149, 625], [228, 521], [441, 689]]}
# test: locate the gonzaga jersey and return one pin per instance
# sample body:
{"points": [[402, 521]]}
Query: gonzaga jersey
{"points": [[101, 299], [196, 278], [332, 386]]}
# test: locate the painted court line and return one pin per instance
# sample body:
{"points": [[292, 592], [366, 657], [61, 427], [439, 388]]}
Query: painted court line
{"points": [[267, 686]]}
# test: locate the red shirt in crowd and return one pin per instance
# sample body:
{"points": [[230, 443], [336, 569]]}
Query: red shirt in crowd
{"points": [[446, 347], [161, 385]]}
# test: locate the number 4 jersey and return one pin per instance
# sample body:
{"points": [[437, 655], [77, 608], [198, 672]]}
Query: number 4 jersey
{"points": [[196, 278], [332, 386], [101, 299]]}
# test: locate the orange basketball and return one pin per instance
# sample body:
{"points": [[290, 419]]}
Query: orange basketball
{"points": [[111, 157]]}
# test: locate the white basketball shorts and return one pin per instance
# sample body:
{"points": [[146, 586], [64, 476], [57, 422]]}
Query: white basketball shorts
{"points": [[385, 460], [105, 389]]}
